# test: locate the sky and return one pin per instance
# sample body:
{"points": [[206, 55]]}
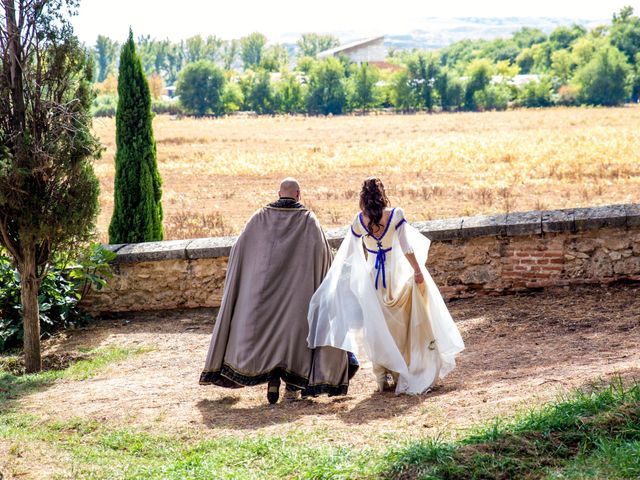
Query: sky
{"points": [[280, 19]]}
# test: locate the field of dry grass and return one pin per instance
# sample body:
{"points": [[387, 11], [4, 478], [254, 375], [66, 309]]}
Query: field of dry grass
{"points": [[216, 172]]}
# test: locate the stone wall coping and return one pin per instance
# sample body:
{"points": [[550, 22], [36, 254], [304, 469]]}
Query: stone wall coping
{"points": [[513, 224]]}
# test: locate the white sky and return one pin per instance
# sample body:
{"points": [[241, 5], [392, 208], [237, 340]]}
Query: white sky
{"points": [[279, 18]]}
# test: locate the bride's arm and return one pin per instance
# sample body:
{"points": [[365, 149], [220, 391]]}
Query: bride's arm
{"points": [[417, 273]]}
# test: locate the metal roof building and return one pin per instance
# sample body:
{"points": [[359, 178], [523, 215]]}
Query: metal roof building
{"points": [[368, 50]]}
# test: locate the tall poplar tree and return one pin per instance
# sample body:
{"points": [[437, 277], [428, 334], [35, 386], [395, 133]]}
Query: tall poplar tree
{"points": [[137, 212]]}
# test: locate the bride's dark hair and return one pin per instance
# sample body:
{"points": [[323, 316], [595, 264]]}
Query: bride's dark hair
{"points": [[373, 201]]}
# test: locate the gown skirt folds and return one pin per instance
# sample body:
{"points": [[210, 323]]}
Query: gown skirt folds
{"points": [[369, 303], [274, 268]]}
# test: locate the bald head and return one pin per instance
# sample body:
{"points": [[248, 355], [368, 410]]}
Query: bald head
{"points": [[289, 187]]}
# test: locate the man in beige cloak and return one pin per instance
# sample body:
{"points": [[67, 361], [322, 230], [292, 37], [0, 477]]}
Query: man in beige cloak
{"points": [[260, 334]]}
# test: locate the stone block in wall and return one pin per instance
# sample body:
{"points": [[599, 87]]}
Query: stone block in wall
{"points": [[612, 216], [115, 247], [446, 229], [616, 242], [479, 275], [524, 223], [633, 215], [557, 221], [153, 251], [600, 266], [484, 226], [627, 266], [585, 245], [335, 237], [210, 247]]}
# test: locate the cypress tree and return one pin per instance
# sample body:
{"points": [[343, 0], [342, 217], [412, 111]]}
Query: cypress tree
{"points": [[137, 212]]}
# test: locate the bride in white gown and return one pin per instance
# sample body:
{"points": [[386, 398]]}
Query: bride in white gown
{"points": [[385, 303]]}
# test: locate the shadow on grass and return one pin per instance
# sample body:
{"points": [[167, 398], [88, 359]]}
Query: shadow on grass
{"points": [[223, 413], [13, 387], [80, 366]]}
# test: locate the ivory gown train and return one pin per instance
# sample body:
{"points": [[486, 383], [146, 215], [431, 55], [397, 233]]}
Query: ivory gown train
{"points": [[373, 304]]}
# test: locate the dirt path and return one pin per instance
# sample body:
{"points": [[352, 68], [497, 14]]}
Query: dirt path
{"points": [[520, 351]]}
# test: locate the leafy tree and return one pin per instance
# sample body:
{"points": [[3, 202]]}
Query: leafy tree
{"points": [[423, 71], [402, 95], [492, 97], [305, 64], [137, 209], [625, 36], [146, 47], [175, 62], [562, 65], [200, 88], [363, 81], [541, 53], [450, 90], [625, 33], [257, 92], [563, 37], [527, 36], [535, 93], [605, 79], [506, 69], [48, 189], [479, 75], [310, 44], [252, 47], [525, 60], [500, 49], [156, 85], [232, 98], [459, 54], [197, 48], [105, 51], [230, 51], [327, 92], [274, 58], [289, 94], [583, 50]]}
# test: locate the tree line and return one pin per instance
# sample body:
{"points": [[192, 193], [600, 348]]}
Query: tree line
{"points": [[569, 66]]}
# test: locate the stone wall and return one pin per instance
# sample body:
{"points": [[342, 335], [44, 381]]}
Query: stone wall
{"points": [[469, 256]]}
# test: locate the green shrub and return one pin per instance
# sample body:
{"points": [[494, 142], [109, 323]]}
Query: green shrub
{"points": [[104, 106], [606, 79], [567, 95], [535, 94], [168, 107], [200, 88], [327, 92], [62, 289], [492, 97], [232, 98]]}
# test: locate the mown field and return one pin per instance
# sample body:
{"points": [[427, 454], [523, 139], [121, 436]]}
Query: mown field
{"points": [[216, 172]]}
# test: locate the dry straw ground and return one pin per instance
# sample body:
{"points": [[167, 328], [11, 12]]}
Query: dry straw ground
{"points": [[521, 351], [216, 172]]}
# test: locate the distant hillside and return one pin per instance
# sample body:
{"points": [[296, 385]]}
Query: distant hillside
{"points": [[440, 32], [432, 33]]}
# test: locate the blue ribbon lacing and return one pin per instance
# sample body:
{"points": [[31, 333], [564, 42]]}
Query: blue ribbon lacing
{"points": [[381, 258]]}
